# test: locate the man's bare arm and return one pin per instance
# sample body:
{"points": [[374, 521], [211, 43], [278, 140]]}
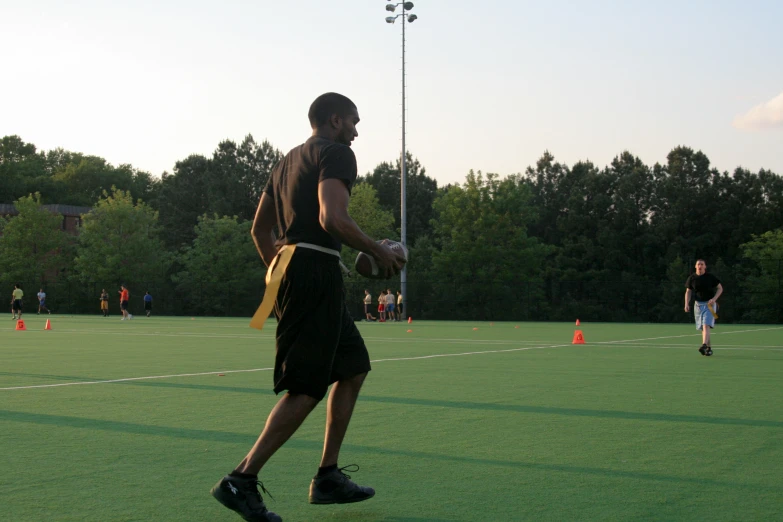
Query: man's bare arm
{"points": [[263, 230], [333, 199], [687, 300], [717, 294]]}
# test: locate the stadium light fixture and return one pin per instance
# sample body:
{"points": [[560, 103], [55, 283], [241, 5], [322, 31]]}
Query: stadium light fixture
{"points": [[410, 17]]}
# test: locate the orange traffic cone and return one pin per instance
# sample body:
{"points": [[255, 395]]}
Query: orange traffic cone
{"points": [[577, 322], [578, 337], [48, 325], [20, 325], [410, 320]]}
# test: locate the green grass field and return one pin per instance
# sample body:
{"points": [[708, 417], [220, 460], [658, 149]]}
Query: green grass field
{"points": [[454, 424]]}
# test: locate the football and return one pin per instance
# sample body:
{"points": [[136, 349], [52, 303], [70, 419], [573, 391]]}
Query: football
{"points": [[365, 264]]}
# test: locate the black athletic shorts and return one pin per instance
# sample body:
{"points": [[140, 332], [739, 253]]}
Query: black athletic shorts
{"points": [[148, 305], [124, 305], [317, 341], [17, 306]]}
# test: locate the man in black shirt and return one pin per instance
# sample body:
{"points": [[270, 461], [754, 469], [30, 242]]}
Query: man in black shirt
{"points": [[317, 341], [707, 290]]}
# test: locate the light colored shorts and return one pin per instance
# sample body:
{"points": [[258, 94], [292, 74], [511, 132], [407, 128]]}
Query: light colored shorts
{"points": [[703, 315]]}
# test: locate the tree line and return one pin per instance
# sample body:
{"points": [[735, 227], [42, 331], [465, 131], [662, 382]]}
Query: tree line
{"points": [[554, 242]]}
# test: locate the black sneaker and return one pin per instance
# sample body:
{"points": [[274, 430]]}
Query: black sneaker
{"points": [[338, 488], [242, 496], [708, 352], [703, 349]]}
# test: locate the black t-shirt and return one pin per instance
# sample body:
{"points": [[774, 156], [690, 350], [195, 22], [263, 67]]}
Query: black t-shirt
{"points": [[294, 187], [704, 286]]}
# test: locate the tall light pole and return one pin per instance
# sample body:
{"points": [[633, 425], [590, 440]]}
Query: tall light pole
{"points": [[405, 16]]}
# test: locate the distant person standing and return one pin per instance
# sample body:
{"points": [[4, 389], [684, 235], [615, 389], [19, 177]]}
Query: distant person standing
{"points": [[16, 302], [367, 304], [707, 290], [382, 307], [399, 306], [105, 302], [42, 302], [389, 305], [124, 298], [148, 303]]}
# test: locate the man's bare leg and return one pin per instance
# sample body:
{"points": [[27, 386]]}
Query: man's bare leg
{"points": [[285, 418], [339, 409], [330, 485], [705, 334]]}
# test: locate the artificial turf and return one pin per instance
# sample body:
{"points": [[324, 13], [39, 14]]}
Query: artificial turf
{"points": [[506, 422]]}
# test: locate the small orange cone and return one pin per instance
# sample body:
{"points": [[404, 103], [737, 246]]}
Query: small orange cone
{"points": [[577, 322], [517, 326], [20, 325], [410, 320], [48, 325], [409, 331], [578, 337], [475, 329]]}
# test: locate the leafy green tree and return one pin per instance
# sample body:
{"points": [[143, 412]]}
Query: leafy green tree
{"points": [[763, 281], [238, 175], [120, 241], [20, 165], [221, 271], [228, 184], [184, 196], [485, 250], [420, 193], [33, 246], [365, 209]]}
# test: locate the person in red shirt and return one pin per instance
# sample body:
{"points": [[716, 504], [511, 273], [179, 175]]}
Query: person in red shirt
{"points": [[124, 296]]}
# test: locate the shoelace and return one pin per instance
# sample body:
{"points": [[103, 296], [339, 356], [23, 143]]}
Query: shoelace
{"points": [[261, 484], [344, 469]]}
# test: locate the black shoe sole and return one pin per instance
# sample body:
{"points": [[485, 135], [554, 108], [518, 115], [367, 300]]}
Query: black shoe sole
{"points": [[349, 501]]}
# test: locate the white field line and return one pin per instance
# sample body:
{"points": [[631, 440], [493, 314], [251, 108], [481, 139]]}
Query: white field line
{"points": [[691, 335], [420, 357], [108, 381]]}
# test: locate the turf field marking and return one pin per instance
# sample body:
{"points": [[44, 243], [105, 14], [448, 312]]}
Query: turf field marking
{"points": [[109, 381], [626, 342], [127, 379], [689, 335]]}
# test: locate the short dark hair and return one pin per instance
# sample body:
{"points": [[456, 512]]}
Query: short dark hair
{"points": [[326, 105]]}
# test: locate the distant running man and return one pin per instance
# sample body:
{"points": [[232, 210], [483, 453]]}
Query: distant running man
{"points": [[317, 342], [707, 289], [148, 303], [105, 303], [16, 302], [124, 298], [42, 302], [399, 306]]}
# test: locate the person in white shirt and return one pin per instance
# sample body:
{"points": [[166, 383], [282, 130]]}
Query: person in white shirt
{"points": [[42, 302], [389, 305]]}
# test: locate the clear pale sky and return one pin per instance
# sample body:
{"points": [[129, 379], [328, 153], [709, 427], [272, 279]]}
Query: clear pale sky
{"points": [[491, 84]]}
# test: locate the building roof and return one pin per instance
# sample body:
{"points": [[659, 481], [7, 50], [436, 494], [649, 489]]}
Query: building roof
{"points": [[8, 209]]}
